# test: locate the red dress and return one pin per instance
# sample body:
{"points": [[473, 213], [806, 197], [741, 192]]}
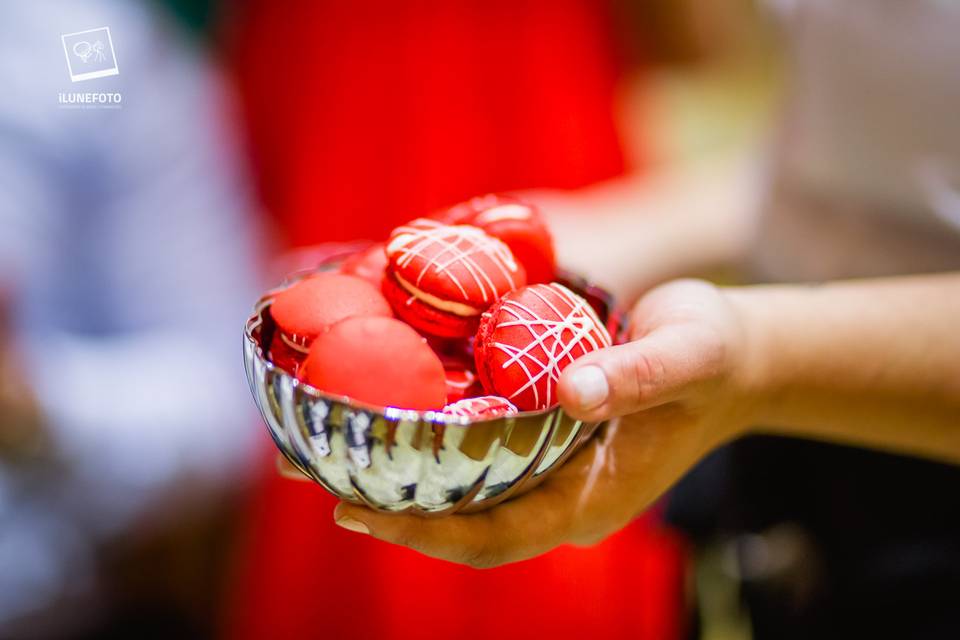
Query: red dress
{"points": [[361, 116]]}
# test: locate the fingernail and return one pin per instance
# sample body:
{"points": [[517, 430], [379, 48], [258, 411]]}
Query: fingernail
{"points": [[352, 525], [591, 386]]}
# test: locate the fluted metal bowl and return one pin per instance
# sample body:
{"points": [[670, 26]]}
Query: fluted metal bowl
{"points": [[398, 460]]}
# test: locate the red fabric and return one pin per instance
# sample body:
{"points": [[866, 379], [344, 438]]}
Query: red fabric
{"points": [[363, 115]]}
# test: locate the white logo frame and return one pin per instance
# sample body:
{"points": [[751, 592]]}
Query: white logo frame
{"points": [[90, 75]]}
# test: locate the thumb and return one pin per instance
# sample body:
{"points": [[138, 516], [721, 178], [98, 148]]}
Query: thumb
{"points": [[638, 375]]}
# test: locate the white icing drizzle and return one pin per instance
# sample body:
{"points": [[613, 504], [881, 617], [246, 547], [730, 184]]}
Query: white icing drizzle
{"points": [[469, 407], [442, 247], [512, 211], [295, 342], [586, 333], [462, 385]]}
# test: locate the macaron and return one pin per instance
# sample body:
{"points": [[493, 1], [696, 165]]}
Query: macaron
{"points": [[519, 224], [482, 408], [312, 305], [529, 337], [441, 278], [461, 383], [285, 357], [457, 358], [369, 264], [378, 361]]}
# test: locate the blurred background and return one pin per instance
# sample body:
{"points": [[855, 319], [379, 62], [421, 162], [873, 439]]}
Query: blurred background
{"points": [[138, 495]]}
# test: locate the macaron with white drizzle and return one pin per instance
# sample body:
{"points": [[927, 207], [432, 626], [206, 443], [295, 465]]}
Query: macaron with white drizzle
{"points": [[441, 278]]}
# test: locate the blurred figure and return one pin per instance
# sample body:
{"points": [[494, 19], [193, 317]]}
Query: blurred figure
{"points": [[862, 181], [362, 117], [126, 267]]}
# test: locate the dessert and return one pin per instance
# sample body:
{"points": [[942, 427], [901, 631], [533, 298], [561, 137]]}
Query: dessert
{"points": [[369, 264], [284, 356], [461, 383], [518, 224], [310, 306], [378, 361], [440, 278], [429, 384], [313, 304], [482, 408], [457, 358], [527, 338]]}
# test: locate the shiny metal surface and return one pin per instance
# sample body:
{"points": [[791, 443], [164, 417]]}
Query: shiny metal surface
{"points": [[394, 460]]}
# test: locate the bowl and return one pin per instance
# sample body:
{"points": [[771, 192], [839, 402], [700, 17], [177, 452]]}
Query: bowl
{"points": [[397, 460]]}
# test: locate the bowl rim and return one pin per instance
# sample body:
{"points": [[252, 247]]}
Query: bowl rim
{"points": [[393, 414]]}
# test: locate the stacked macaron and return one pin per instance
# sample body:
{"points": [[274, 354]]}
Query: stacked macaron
{"points": [[517, 224], [441, 278], [369, 264], [480, 328], [311, 306]]}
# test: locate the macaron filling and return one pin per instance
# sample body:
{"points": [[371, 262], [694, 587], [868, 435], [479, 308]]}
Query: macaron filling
{"points": [[456, 308]]}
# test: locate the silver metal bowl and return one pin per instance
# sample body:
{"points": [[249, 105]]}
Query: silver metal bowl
{"points": [[397, 460]]}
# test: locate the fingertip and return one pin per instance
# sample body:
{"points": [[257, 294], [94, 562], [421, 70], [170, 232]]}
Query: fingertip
{"points": [[590, 416], [396, 528], [341, 510], [353, 525], [286, 469], [583, 388], [350, 518]]}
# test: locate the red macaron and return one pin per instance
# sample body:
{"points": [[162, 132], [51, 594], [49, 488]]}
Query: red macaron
{"points": [[378, 361], [519, 224], [284, 356], [526, 340], [441, 278], [309, 307], [457, 358], [461, 383], [482, 408], [369, 264]]}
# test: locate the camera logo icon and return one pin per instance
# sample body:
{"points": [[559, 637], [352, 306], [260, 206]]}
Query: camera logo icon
{"points": [[90, 54]]}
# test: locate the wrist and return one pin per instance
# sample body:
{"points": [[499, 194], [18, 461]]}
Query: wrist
{"points": [[752, 381], [780, 328]]}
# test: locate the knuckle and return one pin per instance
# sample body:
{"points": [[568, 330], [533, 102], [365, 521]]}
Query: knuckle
{"points": [[647, 373]]}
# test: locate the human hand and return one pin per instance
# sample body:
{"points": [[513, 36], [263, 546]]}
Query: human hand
{"points": [[613, 236], [674, 392], [631, 234]]}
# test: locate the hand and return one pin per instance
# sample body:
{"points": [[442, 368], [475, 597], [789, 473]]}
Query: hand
{"points": [[614, 236], [631, 234], [674, 393]]}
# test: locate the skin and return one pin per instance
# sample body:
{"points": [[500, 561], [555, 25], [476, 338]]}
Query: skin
{"points": [[678, 221], [872, 363]]}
